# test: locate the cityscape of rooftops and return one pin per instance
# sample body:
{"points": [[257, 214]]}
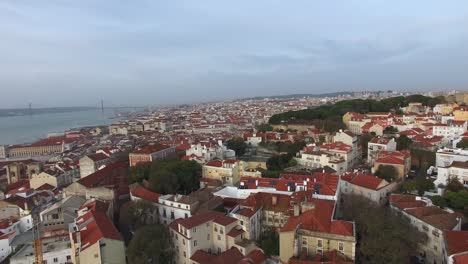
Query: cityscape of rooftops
{"points": [[245, 132]]}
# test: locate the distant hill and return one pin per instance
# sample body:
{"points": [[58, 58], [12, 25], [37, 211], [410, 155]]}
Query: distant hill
{"points": [[329, 117], [288, 96]]}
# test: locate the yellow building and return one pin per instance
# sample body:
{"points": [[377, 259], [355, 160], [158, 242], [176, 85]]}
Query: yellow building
{"points": [[400, 160], [315, 233], [94, 239], [460, 113], [227, 171], [43, 147]]}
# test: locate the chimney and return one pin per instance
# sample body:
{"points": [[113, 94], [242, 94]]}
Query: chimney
{"points": [[297, 210], [78, 237], [274, 200], [256, 182]]}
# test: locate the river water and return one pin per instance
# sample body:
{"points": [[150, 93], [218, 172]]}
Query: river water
{"points": [[28, 128]]}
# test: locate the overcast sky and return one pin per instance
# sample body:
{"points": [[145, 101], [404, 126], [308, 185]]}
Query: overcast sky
{"points": [[69, 52]]}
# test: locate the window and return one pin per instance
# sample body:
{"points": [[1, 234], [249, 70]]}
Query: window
{"points": [[68, 257], [242, 222], [319, 243], [221, 231], [185, 254], [425, 228], [186, 215], [208, 237], [194, 230], [55, 260], [340, 247], [219, 237], [195, 243], [183, 241]]}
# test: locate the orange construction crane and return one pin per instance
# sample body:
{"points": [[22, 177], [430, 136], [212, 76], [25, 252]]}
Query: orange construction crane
{"points": [[38, 257]]}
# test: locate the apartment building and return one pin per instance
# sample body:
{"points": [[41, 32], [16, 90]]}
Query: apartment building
{"points": [[227, 171], [377, 144], [91, 163], [211, 232], [429, 219], [369, 186], [151, 153], [457, 169], [315, 232], [400, 160], [94, 238]]}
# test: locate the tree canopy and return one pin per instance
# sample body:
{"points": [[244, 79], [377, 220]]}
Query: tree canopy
{"points": [[384, 236], [168, 176], [387, 172], [337, 110], [238, 145], [403, 142], [262, 128], [463, 144], [151, 244], [269, 243], [137, 214]]}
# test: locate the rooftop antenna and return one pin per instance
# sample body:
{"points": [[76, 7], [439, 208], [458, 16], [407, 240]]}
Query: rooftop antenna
{"points": [[102, 105], [30, 109]]}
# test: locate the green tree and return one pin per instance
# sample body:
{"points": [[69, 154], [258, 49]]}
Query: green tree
{"points": [[423, 158], [238, 145], [151, 244], [380, 228], [457, 200], [463, 144], [390, 130], [137, 214], [387, 172], [262, 128], [364, 141], [140, 172], [169, 176], [403, 142], [454, 185], [269, 243], [439, 201]]}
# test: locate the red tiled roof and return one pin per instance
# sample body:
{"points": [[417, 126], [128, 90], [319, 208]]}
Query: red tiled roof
{"points": [[141, 192], [45, 186], [17, 185], [457, 241], [404, 201], [367, 181], [202, 218], [247, 212], [230, 256], [95, 226], [390, 160], [95, 205], [462, 259], [215, 163], [235, 232], [435, 216], [98, 156], [104, 176], [319, 219]]}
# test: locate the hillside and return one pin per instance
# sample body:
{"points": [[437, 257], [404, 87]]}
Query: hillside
{"points": [[332, 113]]}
